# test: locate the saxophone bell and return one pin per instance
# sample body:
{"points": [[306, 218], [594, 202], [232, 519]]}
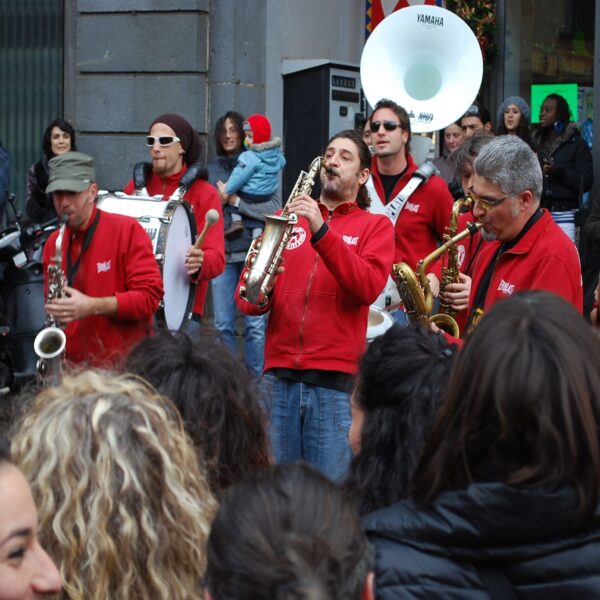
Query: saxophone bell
{"points": [[49, 345], [50, 342]]}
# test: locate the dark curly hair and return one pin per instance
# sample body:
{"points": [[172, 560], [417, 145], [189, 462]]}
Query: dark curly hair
{"points": [[364, 156], [563, 112], [216, 396], [401, 383]]}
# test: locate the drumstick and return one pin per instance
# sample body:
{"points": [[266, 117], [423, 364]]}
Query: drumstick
{"points": [[212, 217]]}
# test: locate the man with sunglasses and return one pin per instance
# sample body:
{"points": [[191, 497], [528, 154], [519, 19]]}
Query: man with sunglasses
{"points": [[425, 213], [174, 146], [527, 250]]}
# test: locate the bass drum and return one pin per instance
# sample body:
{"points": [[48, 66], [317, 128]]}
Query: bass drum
{"points": [[172, 230], [379, 322]]}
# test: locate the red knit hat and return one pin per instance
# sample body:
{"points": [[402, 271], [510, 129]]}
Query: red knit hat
{"points": [[261, 128]]}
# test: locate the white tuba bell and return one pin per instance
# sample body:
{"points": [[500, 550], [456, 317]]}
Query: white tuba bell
{"points": [[426, 59]]}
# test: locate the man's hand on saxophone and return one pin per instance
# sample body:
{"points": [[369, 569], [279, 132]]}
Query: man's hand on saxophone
{"points": [[76, 305], [307, 207], [457, 294], [434, 284]]}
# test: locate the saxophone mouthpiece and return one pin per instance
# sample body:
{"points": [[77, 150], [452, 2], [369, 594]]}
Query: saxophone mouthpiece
{"points": [[62, 219]]}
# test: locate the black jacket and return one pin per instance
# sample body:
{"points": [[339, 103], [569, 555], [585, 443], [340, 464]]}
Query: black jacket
{"points": [[573, 173], [532, 534]]}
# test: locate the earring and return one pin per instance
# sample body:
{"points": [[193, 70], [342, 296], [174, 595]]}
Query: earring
{"points": [[559, 127]]}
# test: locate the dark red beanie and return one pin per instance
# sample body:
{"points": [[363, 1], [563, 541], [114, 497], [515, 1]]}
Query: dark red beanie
{"points": [[190, 140], [261, 128]]}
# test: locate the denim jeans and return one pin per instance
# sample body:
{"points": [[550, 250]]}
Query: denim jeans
{"points": [[223, 294], [309, 423]]}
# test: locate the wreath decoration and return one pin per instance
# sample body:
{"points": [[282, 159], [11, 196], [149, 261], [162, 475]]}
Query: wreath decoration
{"points": [[480, 16]]}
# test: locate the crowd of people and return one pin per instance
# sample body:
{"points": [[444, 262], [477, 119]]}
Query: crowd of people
{"points": [[164, 464]]}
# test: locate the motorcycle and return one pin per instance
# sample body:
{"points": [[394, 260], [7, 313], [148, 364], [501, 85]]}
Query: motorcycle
{"points": [[22, 298]]}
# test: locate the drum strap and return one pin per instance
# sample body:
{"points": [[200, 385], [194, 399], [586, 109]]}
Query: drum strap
{"points": [[87, 240]]}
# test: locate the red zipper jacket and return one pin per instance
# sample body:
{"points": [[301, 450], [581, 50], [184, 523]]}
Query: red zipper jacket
{"points": [[423, 219], [543, 259], [118, 262], [201, 197], [320, 304]]}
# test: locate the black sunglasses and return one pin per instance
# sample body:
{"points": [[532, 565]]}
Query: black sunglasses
{"points": [[387, 125], [163, 140]]}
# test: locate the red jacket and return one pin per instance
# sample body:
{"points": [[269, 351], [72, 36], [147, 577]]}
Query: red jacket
{"points": [[319, 307], [543, 259], [118, 262], [423, 219], [201, 196]]}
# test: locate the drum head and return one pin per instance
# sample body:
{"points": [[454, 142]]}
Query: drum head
{"points": [[172, 230], [179, 295]]}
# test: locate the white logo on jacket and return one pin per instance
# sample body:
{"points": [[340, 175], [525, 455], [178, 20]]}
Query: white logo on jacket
{"points": [[103, 267], [412, 207], [350, 240], [296, 238], [506, 288], [460, 255]]}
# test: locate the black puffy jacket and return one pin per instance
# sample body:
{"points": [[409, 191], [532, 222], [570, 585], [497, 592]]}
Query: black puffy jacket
{"points": [[532, 535], [573, 173]]}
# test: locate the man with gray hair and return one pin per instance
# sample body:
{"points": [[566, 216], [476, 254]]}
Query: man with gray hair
{"points": [[527, 250]]}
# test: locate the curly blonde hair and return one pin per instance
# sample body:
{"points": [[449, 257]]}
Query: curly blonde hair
{"points": [[123, 505]]}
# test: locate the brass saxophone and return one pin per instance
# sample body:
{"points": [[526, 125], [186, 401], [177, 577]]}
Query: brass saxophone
{"points": [[415, 291], [450, 270], [265, 252], [50, 342]]}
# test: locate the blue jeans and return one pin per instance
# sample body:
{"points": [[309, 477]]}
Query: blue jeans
{"points": [[400, 317], [223, 294], [309, 423]]}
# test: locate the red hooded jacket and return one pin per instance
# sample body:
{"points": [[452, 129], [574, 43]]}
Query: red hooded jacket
{"points": [[320, 304]]}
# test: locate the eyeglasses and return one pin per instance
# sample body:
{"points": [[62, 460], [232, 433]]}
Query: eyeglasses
{"points": [[472, 110], [387, 125], [488, 203], [162, 140]]}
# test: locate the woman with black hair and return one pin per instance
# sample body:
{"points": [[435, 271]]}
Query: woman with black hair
{"points": [[59, 138], [288, 533], [229, 144], [566, 162], [505, 498], [401, 383], [217, 398]]}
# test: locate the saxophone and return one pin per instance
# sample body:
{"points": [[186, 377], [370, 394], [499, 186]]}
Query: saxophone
{"points": [[450, 270], [265, 252], [415, 291], [50, 342]]}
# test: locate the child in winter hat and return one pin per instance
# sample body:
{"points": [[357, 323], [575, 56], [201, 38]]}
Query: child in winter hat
{"points": [[255, 178]]}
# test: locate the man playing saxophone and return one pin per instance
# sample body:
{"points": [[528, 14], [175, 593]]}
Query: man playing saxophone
{"points": [[454, 297], [335, 263], [113, 284], [526, 249]]}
